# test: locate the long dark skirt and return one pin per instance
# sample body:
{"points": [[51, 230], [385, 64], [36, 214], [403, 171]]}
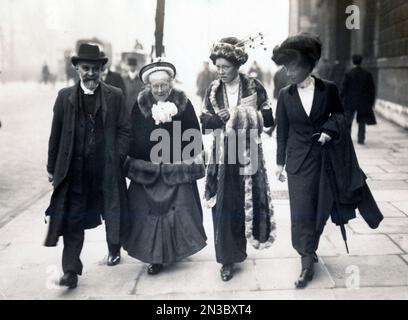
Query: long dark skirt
{"points": [[229, 221], [166, 222], [303, 197]]}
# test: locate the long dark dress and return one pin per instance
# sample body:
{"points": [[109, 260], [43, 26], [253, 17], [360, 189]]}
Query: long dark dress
{"points": [[226, 184], [166, 222], [300, 151]]}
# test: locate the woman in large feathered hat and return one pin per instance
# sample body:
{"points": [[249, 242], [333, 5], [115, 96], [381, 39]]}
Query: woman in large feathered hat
{"points": [[237, 191]]}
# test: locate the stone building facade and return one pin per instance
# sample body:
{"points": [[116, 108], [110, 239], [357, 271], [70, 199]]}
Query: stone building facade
{"points": [[382, 38]]}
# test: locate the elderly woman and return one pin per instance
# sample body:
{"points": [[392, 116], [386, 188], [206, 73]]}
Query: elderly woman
{"points": [[303, 110], [235, 107], [164, 204]]}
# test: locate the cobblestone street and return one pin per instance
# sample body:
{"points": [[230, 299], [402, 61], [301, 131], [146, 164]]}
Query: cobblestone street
{"points": [[376, 268]]}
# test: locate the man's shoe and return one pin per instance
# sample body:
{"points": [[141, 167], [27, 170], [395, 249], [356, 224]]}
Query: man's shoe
{"points": [[315, 258], [69, 279], [360, 142], [154, 268], [227, 272], [305, 276], [113, 259]]}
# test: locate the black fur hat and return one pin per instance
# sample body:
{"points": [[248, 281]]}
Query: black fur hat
{"points": [[306, 44]]}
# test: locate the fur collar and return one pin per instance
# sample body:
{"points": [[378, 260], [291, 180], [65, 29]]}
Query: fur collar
{"points": [[145, 101], [248, 85]]}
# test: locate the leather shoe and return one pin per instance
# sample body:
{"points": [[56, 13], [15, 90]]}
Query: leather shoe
{"points": [[69, 279], [154, 268], [305, 276], [113, 259], [227, 272]]}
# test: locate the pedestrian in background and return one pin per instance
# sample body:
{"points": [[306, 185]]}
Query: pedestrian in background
{"points": [[358, 95], [113, 78], [280, 81], [204, 79], [88, 144], [133, 83]]}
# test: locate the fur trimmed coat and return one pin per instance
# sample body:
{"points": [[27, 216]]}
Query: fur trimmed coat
{"points": [[165, 213], [238, 194]]}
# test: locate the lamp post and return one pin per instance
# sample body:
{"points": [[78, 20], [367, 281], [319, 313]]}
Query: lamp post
{"points": [[159, 28]]}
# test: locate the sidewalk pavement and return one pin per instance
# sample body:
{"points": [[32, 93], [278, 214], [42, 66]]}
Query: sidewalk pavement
{"points": [[376, 268]]}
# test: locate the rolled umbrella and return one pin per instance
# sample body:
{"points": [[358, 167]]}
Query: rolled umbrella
{"points": [[333, 185]]}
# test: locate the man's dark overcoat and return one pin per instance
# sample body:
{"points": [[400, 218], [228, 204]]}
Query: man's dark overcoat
{"points": [[116, 127]]}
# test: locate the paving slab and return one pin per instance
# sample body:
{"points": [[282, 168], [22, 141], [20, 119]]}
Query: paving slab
{"points": [[389, 210], [387, 226], [388, 176], [197, 277], [368, 271], [390, 195], [387, 184], [395, 168], [401, 205], [280, 274], [363, 245], [392, 293], [401, 240]]}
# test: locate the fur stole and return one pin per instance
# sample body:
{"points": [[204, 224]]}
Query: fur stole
{"points": [[145, 101], [260, 227]]}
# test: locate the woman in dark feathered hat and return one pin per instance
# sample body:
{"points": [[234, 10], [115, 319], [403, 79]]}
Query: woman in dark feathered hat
{"points": [[304, 108], [240, 202]]}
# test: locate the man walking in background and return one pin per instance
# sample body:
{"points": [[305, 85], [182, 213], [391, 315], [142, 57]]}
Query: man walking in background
{"points": [[358, 95], [133, 84], [113, 78]]}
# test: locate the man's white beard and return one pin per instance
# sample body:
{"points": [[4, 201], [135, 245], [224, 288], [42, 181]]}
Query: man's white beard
{"points": [[91, 84]]}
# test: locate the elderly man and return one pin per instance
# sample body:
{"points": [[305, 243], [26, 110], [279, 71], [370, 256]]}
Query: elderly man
{"points": [[88, 143]]}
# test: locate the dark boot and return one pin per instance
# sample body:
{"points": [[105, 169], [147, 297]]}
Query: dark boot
{"points": [[154, 268], [305, 276], [114, 255], [69, 279], [227, 272]]}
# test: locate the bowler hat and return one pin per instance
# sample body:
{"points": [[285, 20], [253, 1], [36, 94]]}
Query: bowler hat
{"points": [[89, 52]]}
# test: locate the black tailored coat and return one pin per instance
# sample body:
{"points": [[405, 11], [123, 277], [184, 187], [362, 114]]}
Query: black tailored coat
{"points": [[295, 129], [358, 94], [116, 80], [116, 126]]}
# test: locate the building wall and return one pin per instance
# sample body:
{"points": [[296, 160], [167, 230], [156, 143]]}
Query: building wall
{"points": [[382, 39]]}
